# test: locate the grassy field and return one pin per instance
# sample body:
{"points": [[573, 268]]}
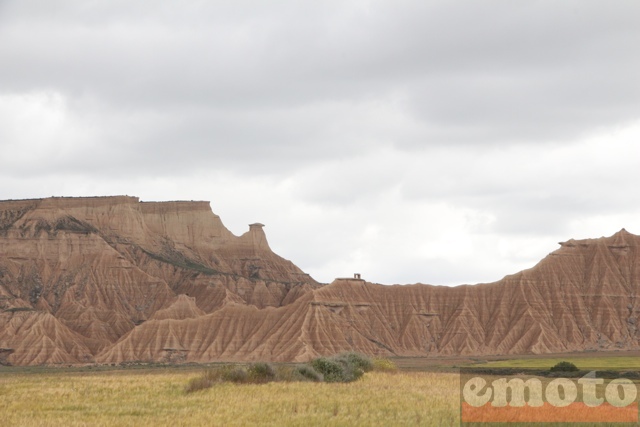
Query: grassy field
{"points": [[583, 363], [157, 398], [584, 360], [425, 393]]}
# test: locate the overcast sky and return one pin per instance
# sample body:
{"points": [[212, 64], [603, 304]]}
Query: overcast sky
{"points": [[441, 142]]}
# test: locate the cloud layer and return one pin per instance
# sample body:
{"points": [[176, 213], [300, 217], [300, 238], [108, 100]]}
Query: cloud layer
{"points": [[442, 142]]}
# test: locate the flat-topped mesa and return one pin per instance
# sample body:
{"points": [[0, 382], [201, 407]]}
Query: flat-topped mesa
{"points": [[70, 202], [54, 206], [188, 222], [99, 267], [175, 207], [102, 201], [113, 214], [87, 202]]}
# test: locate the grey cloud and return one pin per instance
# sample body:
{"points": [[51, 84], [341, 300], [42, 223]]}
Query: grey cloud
{"points": [[535, 191], [506, 71], [356, 108]]}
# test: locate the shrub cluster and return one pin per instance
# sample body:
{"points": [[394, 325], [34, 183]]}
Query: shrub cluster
{"points": [[357, 360], [564, 367], [235, 375], [345, 367], [307, 373], [261, 373]]}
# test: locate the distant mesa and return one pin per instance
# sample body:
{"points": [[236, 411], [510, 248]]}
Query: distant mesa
{"points": [[113, 280]]}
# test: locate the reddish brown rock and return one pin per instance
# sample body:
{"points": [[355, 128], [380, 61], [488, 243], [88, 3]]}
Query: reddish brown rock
{"points": [[113, 280], [101, 266]]}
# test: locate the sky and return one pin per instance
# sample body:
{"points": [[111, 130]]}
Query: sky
{"points": [[441, 142]]}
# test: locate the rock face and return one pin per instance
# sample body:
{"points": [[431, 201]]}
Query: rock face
{"points": [[113, 279], [78, 274]]}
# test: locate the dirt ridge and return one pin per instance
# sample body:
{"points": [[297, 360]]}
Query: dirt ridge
{"points": [[114, 279]]}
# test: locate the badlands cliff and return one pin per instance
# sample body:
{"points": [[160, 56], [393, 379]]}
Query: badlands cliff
{"points": [[113, 279]]}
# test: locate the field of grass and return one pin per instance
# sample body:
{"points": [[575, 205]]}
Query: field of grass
{"points": [[425, 393], [157, 398], [583, 363]]}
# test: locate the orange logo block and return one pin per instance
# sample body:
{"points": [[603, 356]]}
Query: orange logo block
{"points": [[543, 400]]}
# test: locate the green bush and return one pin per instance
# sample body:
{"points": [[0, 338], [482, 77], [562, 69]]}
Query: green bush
{"points": [[350, 370], [357, 360], [307, 373], [344, 367], [236, 375], [261, 373], [564, 367], [331, 370]]}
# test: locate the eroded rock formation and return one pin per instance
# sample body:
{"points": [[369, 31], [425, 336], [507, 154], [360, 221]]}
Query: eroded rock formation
{"points": [[77, 274], [113, 279]]}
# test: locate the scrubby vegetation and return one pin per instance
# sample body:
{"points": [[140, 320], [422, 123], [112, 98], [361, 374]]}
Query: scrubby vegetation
{"points": [[584, 361], [155, 397], [308, 373], [564, 367], [357, 360], [345, 367], [261, 373]]}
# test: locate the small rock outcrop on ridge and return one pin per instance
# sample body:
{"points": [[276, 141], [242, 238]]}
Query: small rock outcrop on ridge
{"points": [[113, 279]]}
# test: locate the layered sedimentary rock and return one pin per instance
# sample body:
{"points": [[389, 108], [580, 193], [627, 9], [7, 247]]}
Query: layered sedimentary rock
{"points": [[111, 280], [99, 267]]}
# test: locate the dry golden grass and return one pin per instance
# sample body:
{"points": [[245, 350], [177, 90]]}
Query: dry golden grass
{"points": [[157, 398]]}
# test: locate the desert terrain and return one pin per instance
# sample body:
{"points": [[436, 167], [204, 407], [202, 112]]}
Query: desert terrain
{"points": [[110, 307], [110, 280]]}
